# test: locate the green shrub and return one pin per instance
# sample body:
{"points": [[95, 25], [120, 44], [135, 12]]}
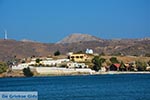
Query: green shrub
{"points": [[57, 53], [140, 65], [114, 60], [38, 60], [27, 72], [3, 67], [97, 62]]}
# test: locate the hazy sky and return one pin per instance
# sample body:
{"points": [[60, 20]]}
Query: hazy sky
{"points": [[52, 20]]}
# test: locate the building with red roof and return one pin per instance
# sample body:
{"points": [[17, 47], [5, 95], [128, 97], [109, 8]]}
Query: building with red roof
{"points": [[114, 67]]}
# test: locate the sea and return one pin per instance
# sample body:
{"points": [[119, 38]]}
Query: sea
{"points": [[83, 87]]}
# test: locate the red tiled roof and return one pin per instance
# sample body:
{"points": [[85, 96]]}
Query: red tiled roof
{"points": [[117, 65]]}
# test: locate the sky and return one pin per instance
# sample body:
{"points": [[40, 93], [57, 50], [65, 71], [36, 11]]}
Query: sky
{"points": [[49, 21]]}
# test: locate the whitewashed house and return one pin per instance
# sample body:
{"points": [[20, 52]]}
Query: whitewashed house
{"points": [[76, 65], [21, 66], [89, 51], [54, 62]]}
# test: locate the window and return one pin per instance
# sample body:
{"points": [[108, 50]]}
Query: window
{"points": [[72, 57], [77, 56], [81, 56]]}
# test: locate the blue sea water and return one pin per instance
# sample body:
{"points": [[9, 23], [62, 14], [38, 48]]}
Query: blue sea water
{"points": [[94, 87]]}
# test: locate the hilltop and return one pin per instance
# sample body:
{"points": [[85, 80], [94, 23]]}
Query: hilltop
{"points": [[78, 37]]}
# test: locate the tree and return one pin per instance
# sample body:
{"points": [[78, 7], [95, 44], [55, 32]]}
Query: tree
{"points": [[3, 67], [122, 66], [141, 66], [27, 72], [37, 60], [97, 61], [113, 60], [57, 53], [108, 64]]}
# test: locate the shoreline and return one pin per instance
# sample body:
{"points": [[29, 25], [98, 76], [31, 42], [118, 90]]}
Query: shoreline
{"points": [[74, 74], [98, 73], [125, 72]]}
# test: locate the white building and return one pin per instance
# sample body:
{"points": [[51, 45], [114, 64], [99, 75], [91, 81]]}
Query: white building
{"points": [[89, 51], [54, 62], [49, 62], [76, 65], [21, 66]]}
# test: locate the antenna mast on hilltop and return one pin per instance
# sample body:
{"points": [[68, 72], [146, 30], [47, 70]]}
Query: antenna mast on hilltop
{"points": [[5, 32]]}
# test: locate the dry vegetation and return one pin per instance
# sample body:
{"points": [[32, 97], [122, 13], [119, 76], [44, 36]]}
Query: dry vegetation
{"points": [[127, 59]]}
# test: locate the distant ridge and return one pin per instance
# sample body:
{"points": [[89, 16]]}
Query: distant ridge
{"points": [[78, 37]]}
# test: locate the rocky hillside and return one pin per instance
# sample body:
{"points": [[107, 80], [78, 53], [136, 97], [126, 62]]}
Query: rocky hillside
{"points": [[77, 37], [10, 49]]}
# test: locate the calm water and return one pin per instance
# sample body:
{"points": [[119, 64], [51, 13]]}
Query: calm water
{"points": [[97, 87]]}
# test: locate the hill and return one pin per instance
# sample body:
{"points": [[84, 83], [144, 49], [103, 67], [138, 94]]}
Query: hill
{"points": [[10, 49], [17, 49], [78, 37]]}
